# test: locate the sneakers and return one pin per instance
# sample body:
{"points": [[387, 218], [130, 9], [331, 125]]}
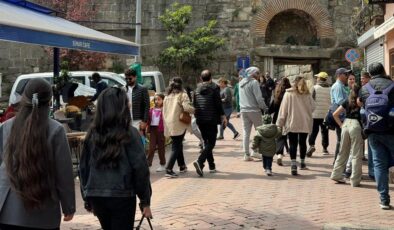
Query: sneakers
{"points": [[339, 181], [294, 170], [310, 151], [212, 171], [325, 152], [256, 155], [279, 160], [198, 168], [385, 205], [220, 138], [171, 174], [162, 168], [303, 166], [268, 172], [182, 169], [248, 158], [236, 135]]}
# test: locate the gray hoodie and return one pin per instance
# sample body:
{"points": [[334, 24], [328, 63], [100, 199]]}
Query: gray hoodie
{"points": [[250, 97]]}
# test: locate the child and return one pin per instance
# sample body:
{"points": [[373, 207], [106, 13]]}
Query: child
{"points": [[156, 130], [265, 142]]}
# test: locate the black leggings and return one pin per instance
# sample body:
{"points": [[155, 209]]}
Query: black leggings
{"points": [[13, 227], [296, 139], [114, 213]]}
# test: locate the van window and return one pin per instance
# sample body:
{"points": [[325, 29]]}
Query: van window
{"points": [[110, 82], [79, 79], [149, 82]]}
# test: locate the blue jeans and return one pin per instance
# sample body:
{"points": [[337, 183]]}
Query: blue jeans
{"points": [[382, 147], [267, 162], [371, 172], [227, 112]]}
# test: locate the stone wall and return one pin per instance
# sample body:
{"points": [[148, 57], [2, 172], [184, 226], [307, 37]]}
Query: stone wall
{"points": [[235, 21]]}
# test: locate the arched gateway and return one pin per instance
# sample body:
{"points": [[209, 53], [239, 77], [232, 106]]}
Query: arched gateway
{"points": [[292, 32]]}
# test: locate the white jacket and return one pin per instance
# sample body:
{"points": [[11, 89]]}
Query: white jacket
{"points": [[322, 98], [295, 113]]}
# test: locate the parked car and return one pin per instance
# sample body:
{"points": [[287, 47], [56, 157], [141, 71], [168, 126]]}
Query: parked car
{"points": [[86, 85]]}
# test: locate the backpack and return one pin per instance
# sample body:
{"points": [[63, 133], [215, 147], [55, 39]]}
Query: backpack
{"points": [[377, 109]]}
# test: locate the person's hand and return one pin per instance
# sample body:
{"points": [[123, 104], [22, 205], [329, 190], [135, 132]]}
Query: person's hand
{"points": [[147, 212], [142, 125], [68, 217], [224, 121], [88, 207]]}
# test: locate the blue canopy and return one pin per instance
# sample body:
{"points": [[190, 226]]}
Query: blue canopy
{"points": [[25, 22]]}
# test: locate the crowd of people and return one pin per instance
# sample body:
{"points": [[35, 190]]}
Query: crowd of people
{"points": [[36, 177]]}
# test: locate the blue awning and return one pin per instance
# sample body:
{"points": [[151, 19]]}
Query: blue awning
{"points": [[23, 24]]}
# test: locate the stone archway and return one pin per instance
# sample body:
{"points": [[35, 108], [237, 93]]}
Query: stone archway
{"points": [[271, 8]]}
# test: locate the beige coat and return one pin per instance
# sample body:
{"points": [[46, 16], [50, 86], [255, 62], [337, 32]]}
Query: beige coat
{"points": [[295, 113], [173, 105]]}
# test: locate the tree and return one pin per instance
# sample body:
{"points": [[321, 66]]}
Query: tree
{"points": [[76, 10], [192, 49]]}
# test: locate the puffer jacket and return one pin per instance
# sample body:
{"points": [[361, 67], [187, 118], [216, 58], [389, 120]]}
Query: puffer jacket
{"points": [[208, 104], [250, 96], [322, 97], [264, 141], [379, 82]]}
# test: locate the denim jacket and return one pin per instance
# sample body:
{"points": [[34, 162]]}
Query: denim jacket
{"points": [[130, 178]]}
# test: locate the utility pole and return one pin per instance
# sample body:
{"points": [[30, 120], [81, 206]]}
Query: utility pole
{"points": [[138, 31]]}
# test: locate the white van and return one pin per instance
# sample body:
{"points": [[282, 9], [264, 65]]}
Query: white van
{"points": [[86, 85], [152, 80]]}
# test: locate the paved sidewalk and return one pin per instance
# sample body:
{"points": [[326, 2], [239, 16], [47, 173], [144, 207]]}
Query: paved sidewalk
{"points": [[240, 196]]}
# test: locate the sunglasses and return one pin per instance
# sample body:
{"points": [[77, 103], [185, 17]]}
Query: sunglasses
{"points": [[129, 78]]}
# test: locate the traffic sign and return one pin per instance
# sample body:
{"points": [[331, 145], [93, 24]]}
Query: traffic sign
{"points": [[243, 62], [352, 55]]}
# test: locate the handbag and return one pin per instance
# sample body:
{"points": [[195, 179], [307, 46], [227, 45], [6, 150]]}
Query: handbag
{"points": [[185, 117], [140, 223]]}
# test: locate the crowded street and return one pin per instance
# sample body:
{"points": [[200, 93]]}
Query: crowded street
{"points": [[241, 196]]}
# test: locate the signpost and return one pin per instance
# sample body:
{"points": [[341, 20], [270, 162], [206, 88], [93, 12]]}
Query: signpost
{"points": [[352, 56], [243, 62]]}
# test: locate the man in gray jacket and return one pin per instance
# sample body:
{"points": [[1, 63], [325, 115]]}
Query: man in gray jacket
{"points": [[251, 103]]}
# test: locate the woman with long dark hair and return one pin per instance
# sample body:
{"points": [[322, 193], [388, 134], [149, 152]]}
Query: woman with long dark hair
{"points": [[113, 167], [175, 103], [351, 139], [36, 172], [295, 119], [281, 142]]}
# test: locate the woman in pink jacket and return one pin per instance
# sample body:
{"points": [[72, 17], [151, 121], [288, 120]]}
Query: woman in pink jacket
{"points": [[295, 119]]}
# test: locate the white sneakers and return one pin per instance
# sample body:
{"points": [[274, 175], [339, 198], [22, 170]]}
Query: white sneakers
{"points": [[248, 158], [162, 168], [256, 155]]}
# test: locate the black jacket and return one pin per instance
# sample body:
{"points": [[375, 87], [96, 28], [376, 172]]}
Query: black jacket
{"points": [[140, 103], [208, 104], [100, 87], [379, 82], [130, 178]]}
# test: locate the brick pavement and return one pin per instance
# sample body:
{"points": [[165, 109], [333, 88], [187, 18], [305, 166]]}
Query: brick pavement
{"points": [[240, 196]]}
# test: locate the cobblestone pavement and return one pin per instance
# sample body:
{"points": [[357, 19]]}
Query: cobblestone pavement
{"points": [[240, 196]]}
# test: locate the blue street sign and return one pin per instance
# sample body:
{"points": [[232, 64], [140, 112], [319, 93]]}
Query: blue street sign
{"points": [[243, 62], [352, 55]]}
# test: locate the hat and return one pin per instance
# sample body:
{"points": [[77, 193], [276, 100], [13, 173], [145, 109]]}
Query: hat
{"points": [[322, 75], [267, 119], [251, 70], [342, 71]]}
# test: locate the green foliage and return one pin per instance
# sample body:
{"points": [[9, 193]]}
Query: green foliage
{"points": [[187, 48]]}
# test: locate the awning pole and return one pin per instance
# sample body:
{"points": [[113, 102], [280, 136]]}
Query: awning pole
{"points": [[56, 70], [138, 58]]}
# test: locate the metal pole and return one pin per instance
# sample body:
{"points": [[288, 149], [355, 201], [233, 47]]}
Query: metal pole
{"points": [[138, 31], [56, 70]]}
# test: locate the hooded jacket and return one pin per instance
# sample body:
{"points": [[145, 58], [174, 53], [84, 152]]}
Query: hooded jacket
{"points": [[264, 141], [208, 104], [250, 97]]}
